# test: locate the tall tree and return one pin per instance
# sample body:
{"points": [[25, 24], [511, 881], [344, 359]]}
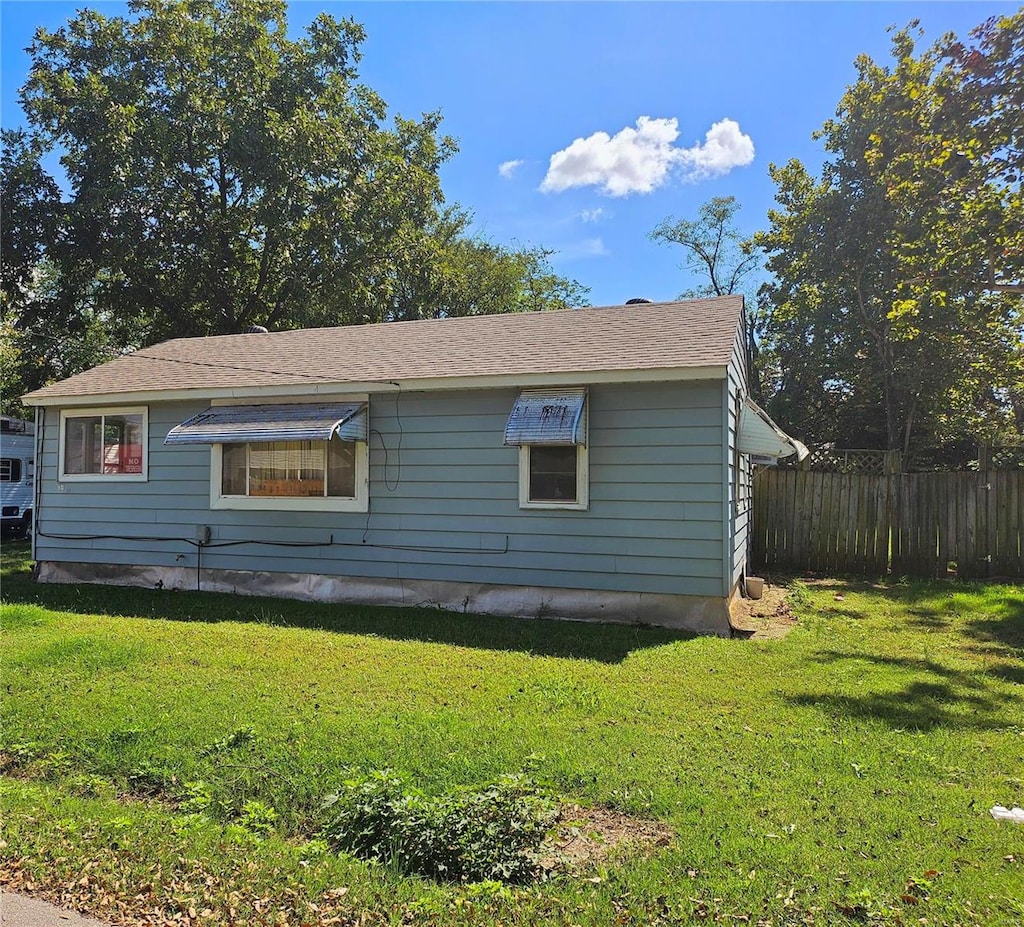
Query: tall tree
{"points": [[42, 336], [220, 174], [715, 249], [29, 203], [893, 326], [722, 259]]}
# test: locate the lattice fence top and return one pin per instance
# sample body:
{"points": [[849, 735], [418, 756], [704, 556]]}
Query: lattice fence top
{"points": [[828, 459], [832, 460]]}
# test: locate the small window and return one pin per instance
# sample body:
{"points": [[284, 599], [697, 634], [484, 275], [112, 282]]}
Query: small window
{"points": [[103, 445], [553, 474], [550, 428], [740, 473], [553, 477], [10, 470]]}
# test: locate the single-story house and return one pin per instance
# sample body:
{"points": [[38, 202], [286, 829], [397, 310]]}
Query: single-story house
{"points": [[588, 463]]}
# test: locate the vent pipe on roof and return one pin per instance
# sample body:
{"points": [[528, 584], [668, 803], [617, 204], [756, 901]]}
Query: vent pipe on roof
{"points": [[256, 330], [638, 300]]}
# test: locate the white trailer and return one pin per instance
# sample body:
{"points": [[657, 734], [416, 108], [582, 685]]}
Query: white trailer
{"points": [[17, 475]]}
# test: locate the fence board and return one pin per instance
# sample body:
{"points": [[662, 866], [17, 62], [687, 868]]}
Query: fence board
{"points": [[999, 513], [831, 504], [914, 524], [1011, 552], [968, 559], [947, 489]]}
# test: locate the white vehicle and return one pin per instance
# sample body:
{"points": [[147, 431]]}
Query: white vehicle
{"points": [[17, 474]]}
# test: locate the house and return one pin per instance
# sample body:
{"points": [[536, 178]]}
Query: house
{"points": [[587, 463]]}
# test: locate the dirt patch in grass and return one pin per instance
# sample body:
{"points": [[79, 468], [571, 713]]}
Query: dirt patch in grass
{"points": [[585, 836], [767, 618]]}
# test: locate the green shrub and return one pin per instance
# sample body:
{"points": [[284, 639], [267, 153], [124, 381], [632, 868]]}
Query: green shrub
{"points": [[491, 834], [197, 798], [258, 817]]}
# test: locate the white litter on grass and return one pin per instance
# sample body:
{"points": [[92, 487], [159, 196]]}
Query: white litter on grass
{"points": [[1014, 814]]}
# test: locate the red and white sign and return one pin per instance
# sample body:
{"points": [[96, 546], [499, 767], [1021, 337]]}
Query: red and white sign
{"points": [[122, 458]]}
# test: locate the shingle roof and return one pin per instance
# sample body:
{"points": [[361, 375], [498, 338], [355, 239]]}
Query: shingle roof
{"points": [[692, 333]]}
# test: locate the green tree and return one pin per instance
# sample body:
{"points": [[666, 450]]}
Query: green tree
{"points": [[464, 275], [715, 249], [723, 259], [892, 326], [219, 175], [224, 175], [29, 202], [41, 337]]}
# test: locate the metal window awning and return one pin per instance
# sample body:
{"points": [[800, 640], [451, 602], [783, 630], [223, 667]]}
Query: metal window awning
{"points": [[293, 422], [548, 416], [761, 437]]}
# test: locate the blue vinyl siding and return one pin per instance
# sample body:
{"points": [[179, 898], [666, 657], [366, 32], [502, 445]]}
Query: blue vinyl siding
{"points": [[446, 494], [740, 486]]}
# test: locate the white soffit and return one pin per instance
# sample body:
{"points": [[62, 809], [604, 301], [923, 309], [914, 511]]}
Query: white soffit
{"points": [[760, 436]]}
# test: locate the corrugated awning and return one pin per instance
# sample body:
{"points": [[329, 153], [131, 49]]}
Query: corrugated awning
{"points": [[548, 416], [295, 422], [760, 436]]}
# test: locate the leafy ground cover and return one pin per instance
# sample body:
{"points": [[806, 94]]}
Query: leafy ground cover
{"points": [[167, 756]]}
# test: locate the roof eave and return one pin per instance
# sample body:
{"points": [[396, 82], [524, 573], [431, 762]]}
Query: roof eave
{"points": [[421, 384]]}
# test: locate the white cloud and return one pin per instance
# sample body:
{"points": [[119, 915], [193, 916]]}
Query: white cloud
{"points": [[638, 160], [508, 168], [724, 148], [592, 215]]}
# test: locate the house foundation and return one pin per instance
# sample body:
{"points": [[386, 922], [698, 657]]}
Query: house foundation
{"points": [[698, 614]]}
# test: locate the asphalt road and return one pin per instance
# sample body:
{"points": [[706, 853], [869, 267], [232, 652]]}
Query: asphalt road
{"points": [[20, 911]]}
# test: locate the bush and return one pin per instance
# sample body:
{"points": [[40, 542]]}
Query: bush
{"points": [[492, 834]]}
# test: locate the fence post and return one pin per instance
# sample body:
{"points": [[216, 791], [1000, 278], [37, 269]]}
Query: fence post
{"points": [[893, 462]]}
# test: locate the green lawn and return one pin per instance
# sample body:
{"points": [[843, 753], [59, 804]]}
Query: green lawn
{"points": [[843, 774]]}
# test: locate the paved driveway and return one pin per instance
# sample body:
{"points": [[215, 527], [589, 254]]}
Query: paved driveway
{"points": [[20, 911]]}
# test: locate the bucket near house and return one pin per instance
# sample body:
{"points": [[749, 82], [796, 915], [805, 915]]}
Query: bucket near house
{"points": [[755, 586]]}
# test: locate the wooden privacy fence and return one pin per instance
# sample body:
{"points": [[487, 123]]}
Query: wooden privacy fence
{"points": [[912, 524]]}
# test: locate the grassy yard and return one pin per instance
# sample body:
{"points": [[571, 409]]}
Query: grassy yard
{"points": [[167, 755]]}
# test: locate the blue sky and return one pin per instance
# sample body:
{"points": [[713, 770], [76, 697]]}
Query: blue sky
{"points": [[531, 85]]}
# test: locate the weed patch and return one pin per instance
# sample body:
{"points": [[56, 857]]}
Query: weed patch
{"points": [[490, 834]]}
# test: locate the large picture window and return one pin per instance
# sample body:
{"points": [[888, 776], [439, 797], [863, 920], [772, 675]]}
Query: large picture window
{"points": [[308, 476], [103, 444], [289, 469]]}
